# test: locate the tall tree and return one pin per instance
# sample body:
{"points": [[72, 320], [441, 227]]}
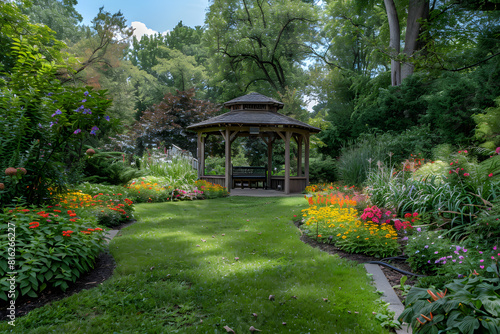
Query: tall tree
{"points": [[59, 15], [257, 43]]}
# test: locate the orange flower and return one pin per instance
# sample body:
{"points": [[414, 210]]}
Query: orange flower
{"points": [[67, 233], [34, 224]]}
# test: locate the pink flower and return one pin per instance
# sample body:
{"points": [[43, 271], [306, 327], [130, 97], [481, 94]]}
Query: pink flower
{"points": [[415, 214], [451, 163], [465, 151], [466, 174], [482, 267], [498, 150], [490, 174]]}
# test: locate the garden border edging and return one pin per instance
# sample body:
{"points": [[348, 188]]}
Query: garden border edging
{"points": [[389, 296]]}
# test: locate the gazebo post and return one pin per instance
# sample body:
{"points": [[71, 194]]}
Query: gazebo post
{"points": [[299, 155], [227, 138], [199, 145], [306, 157], [288, 135], [269, 161]]}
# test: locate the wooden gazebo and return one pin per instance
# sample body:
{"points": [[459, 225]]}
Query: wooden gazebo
{"points": [[256, 115]]}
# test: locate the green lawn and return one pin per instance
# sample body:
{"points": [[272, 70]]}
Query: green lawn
{"points": [[168, 280]]}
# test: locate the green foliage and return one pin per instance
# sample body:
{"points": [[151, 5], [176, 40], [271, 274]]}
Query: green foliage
{"points": [[357, 160], [109, 168], [46, 252], [45, 124], [456, 198], [272, 39], [468, 305], [424, 248], [167, 122], [177, 171], [488, 127], [322, 169]]}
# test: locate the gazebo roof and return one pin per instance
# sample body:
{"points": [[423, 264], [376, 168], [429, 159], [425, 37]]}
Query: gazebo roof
{"points": [[254, 98], [253, 118]]}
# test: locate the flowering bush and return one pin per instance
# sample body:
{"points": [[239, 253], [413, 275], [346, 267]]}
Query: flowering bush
{"points": [[376, 215], [149, 190], [329, 188], [424, 248], [110, 209], [211, 190], [337, 221], [52, 248]]}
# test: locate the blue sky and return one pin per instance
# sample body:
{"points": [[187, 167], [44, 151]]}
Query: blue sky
{"points": [[149, 16]]}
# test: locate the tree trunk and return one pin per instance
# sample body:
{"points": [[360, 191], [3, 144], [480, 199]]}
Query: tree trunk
{"points": [[418, 10], [394, 41]]}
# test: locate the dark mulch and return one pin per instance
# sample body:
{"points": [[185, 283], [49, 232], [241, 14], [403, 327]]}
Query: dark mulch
{"points": [[103, 269], [392, 276]]}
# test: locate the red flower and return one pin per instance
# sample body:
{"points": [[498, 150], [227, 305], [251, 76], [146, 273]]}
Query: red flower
{"points": [[490, 174], [67, 233], [34, 224]]}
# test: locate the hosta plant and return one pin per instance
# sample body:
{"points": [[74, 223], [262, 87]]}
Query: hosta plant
{"points": [[469, 305]]}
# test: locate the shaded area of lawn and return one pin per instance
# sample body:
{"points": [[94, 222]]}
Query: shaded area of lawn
{"points": [[177, 273]]}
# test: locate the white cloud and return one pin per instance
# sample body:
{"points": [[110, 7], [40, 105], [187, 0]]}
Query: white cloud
{"points": [[141, 29]]}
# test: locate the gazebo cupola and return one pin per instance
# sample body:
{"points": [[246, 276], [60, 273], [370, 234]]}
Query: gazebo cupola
{"points": [[256, 115]]}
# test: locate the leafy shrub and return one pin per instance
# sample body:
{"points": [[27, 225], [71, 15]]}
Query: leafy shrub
{"points": [[424, 248], [322, 169], [109, 168], [468, 305], [53, 248]]}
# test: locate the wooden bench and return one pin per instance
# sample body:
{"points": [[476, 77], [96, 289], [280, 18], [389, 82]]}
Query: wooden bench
{"points": [[249, 175]]}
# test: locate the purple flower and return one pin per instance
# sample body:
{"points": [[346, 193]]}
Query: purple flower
{"points": [[39, 125], [77, 131], [86, 93], [419, 229], [94, 130], [84, 100], [426, 246], [107, 118], [58, 112], [480, 252], [436, 252]]}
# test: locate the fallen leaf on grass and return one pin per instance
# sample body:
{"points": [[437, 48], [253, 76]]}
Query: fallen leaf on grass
{"points": [[203, 240], [229, 330], [253, 329], [271, 297], [254, 314], [197, 245]]}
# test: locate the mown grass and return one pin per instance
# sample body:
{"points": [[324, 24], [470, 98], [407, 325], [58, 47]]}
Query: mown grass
{"points": [[168, 280]]}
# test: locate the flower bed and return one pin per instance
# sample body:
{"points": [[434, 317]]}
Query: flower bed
{"points": [[333, 218], [45, 247]]}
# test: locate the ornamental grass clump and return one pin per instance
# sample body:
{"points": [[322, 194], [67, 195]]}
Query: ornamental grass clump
{"points": [[333, 218]]}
